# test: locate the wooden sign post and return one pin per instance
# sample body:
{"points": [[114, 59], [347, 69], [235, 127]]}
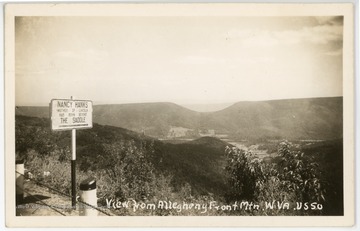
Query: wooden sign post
{"points": [[70, 114]]}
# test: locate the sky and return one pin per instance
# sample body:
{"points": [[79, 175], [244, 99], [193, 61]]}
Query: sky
{"points": [[185, 60]]}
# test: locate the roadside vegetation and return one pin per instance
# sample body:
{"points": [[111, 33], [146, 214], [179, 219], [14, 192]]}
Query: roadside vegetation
{"points": [[132, 167]]}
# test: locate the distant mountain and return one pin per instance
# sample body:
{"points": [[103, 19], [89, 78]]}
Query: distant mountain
{"points": [[154, 119], [316, 118], [312, 118], [41, 112]]}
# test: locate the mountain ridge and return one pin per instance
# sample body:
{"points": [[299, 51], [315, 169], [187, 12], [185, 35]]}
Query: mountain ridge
{"points": [[182, 105], [305, 118]]}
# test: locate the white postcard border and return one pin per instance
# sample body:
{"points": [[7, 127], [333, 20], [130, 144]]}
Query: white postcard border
{"points": [[183, 10]]}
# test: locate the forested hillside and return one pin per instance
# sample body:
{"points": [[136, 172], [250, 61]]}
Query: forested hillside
{"points": [[131, 166]]}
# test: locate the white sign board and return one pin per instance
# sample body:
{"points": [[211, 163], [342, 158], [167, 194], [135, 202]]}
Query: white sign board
{"points": [[67, 114]]}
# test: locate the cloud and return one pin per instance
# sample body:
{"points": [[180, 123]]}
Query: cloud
{"points": [[317, 35], [322, 34], [330, 20]]}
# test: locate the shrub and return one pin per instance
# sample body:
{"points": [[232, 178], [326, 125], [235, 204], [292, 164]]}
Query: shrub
{"points": [[295, 178]]}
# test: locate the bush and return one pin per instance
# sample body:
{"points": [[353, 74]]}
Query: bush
{"points": [[295, 178]]}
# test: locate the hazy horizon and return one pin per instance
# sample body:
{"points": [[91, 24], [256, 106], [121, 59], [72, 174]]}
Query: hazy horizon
{"points": [[199, 106]]}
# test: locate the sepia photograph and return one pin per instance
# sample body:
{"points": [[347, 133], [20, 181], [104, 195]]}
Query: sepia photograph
{"points": [[213, 114]]}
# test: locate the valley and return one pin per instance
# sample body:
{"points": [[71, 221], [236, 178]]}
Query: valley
{"points": [[158, 151], [292, 119]]}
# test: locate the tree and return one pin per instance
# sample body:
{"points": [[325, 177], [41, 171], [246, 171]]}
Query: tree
{"points": [[299, 174], [243, 171]]}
